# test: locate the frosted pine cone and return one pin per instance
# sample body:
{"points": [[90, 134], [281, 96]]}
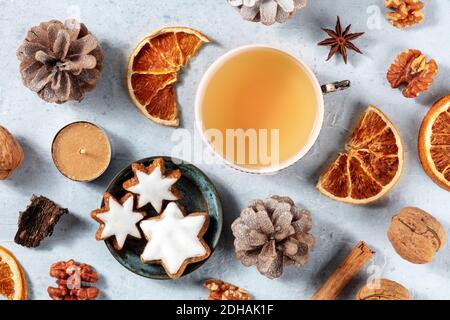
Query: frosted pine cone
{"points": [[268, 11], [60, 61], [271, 234]]}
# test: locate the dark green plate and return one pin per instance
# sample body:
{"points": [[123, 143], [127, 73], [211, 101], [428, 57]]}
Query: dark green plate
{"points": [[199, 195]]}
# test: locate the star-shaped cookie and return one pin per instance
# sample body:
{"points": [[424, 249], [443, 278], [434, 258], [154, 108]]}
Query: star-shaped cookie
{"points": [[175, 240], [153, 184], [118, 220]]}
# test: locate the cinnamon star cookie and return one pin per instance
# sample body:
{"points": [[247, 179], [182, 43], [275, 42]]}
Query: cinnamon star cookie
{"points": [[118, 220], [153, 184], [175, 240]]}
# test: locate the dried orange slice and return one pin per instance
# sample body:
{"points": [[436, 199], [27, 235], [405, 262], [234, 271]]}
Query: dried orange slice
{"points": [[372, 164], [434, 143], [153, 67], [12, 278]]}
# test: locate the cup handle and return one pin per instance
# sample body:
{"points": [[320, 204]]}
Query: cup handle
{"points": [[336, 86]]}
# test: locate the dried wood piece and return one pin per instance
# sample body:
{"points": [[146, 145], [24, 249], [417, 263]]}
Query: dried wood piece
{"points": [[355, 261], [38, 221]]}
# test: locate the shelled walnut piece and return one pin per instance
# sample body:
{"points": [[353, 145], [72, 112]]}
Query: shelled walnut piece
{"points": [[416, 235], [383, 289], [219, 290], [412, 70], [406, 13], [11, 154], [74, 281]]}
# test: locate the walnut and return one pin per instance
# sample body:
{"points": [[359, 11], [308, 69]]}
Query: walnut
{"points": [[406, 13], [383, 289], [219, 290], [416, 235], [11, 154], [74, 281], [412, 70]]}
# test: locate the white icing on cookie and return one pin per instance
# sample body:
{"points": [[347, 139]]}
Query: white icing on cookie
{"points": [[120, 221], [173, 238], [153, 188]]}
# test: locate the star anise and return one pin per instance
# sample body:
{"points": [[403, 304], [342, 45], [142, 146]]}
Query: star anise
{"points": [[340, 41]]}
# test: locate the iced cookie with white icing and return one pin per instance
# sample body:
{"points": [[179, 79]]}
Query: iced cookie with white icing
{"points": [[153, 184], [175, 240], [118, 220]]}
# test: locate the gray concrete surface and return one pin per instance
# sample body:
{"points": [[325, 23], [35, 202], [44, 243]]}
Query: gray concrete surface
{"points": [[119, 25]]}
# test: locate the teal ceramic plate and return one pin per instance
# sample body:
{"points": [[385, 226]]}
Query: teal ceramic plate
{"points": [[199, 195]]}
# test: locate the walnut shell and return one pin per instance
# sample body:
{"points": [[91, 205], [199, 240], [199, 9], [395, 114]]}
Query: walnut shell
{"points": [[383, 290], [11, 154], [416, 235]]}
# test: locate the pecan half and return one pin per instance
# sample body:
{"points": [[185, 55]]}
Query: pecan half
{"points": [[74, 281], [411, 69]]}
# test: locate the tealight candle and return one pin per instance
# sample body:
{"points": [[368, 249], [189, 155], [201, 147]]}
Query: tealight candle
{"points": [[81, 151]]}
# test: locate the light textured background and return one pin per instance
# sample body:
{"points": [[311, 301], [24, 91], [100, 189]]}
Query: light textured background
{"points": [[119, 25]]}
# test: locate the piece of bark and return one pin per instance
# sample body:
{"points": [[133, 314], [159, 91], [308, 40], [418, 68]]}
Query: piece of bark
{"points": [[38, 221], [355, 261]]}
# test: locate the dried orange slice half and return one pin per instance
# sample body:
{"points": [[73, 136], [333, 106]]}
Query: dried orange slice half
{"points": [[153, 67], [372, 164], [434, 143], [12, 278]]}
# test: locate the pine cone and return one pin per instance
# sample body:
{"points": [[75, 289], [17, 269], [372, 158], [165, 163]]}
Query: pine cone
{"points": [[61, 62], [272, 233], [268, 11]]}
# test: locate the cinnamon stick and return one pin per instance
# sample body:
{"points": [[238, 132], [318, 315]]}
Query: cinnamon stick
{"points": [[355, 261]]}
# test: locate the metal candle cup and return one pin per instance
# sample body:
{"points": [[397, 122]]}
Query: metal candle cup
{"points": [[81, 151]]}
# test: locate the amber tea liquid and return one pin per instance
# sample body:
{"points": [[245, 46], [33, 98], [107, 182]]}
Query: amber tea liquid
{"points": [[260, 92]]}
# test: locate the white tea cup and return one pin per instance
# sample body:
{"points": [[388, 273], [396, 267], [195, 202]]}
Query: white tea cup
{"points": [[319, 91]]}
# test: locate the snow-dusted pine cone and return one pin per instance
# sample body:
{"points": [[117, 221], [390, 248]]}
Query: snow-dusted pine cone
{"points": [[271, 234], [60, 61], [268, 11]]}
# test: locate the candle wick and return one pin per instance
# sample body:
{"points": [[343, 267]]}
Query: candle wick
{"points": [[82, 151]]}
